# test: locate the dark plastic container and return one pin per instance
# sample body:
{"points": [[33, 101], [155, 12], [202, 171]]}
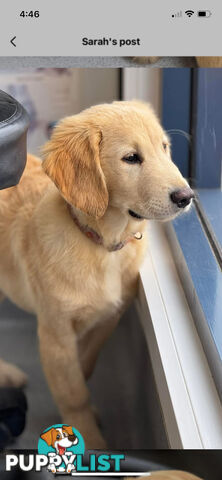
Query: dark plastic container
{"points": [[14, 124]]}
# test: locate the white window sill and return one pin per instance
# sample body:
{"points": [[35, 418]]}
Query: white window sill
{"points": [[190, 404]]}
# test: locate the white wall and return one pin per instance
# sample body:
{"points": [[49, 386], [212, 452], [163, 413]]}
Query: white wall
{"points": [[50, 94], [143, 84], [98, 85]]}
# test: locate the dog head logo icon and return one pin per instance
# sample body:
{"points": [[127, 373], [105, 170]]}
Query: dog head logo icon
{"points": [[60, 438], [61, 443]]}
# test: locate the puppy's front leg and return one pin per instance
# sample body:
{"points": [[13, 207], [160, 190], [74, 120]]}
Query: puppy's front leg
{"points": [[59, 354], [91, 344]]}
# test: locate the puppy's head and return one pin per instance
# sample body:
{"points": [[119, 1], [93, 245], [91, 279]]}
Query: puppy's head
{"points": [[116, 154], [60, 438]]}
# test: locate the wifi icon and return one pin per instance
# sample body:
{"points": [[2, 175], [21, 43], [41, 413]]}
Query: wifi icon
{"points": [[189, 13]]}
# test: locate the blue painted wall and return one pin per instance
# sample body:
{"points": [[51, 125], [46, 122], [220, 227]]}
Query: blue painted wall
{"points": [[176, 113], [207, 128]]}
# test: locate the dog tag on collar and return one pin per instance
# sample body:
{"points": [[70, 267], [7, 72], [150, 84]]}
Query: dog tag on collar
{"points": [[138, 235]]}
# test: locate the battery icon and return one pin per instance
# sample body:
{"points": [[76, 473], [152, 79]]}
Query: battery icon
{"points": [[204, 13]]}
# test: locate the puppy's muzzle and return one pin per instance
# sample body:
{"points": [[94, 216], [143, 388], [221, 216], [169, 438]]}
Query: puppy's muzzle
{"points": [[182, 197]]}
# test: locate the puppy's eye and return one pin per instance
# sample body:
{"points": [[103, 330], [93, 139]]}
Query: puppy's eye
{"points": [[132, 158], [165, 146], [57, 437]]}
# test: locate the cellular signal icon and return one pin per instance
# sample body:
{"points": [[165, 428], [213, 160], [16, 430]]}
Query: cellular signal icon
{"points": [[177, 14], [189, 13]]}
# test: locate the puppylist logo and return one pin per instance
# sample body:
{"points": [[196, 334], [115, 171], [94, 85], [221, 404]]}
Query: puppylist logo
{"points": [[61, 444], [60, 450]]}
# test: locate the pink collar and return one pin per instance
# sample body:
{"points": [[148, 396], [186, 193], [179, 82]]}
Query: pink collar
{"points": [[96, 238]]}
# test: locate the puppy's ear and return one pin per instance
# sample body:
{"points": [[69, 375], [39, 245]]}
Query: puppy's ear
{"points": [[68, 430], [72, 161], [47, 436]]}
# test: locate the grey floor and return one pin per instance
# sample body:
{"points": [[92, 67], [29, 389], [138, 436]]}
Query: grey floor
{"points": [[122, 386], [8, 63]]}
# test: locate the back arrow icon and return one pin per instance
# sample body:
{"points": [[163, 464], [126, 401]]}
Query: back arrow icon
{"points": [[12, 41]]}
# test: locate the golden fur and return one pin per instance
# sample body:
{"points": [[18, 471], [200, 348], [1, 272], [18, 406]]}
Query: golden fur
{"points": [[78, 289], [206, 62]]}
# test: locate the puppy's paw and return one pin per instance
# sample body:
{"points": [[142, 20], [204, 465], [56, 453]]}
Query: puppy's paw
{"points": [[11, 376], [70, 468], [146, 60], [52, 468]]}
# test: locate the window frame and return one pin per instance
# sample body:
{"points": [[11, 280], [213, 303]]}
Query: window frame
{"points": [[203, 113], [189, 392]]}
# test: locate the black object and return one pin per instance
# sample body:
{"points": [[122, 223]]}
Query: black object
{"points": [[182, 197], [13, 406], [14, 123]]}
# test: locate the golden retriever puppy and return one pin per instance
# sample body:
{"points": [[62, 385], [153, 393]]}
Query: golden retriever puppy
{"points": [[168, 475], [206, 62], [73, 236], [209, 62]]}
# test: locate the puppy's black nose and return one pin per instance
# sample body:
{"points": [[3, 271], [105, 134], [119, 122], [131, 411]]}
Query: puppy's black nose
{"points": [[182, 197]]}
